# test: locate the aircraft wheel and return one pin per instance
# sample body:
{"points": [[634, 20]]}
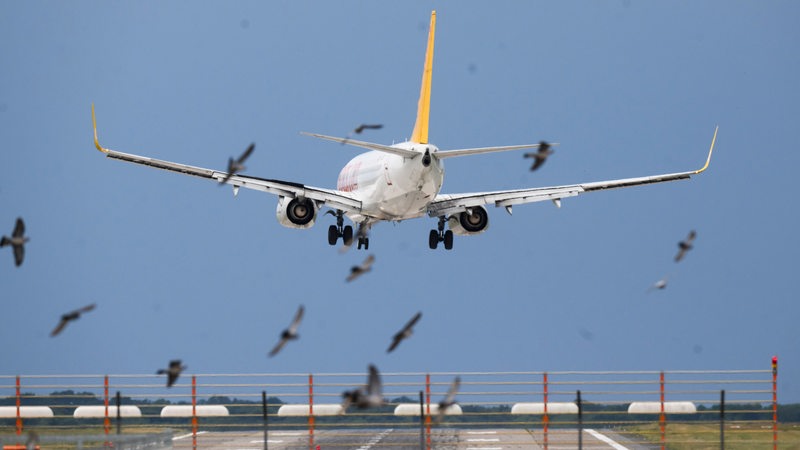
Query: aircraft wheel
{"points": [[366, 243], [448, 240], [347, 235], [433, 239], [333, 234]]}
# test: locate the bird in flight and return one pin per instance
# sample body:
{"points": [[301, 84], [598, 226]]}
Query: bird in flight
{"points": [[357, 271], [69, 317], [405, 333], [540, 156], [365, 126], [290, 333], [449, 399], [17, 241], [369, 396], [660, 284], [236, 166], [685, 245], [173, 372]]}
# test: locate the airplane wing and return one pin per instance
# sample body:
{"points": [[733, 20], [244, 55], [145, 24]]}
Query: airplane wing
{"points": [[448, 204], [329, 197]]}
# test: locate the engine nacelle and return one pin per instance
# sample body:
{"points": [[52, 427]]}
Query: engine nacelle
{"points": [[473, 222], [296, 213]]}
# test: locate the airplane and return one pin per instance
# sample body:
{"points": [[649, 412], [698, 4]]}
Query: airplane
{"points": [[396, 182]]}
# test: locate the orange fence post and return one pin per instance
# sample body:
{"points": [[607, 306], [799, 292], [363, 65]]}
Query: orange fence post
{"points": [[428, 410], [19, 416], [106, 422], [545, 418], [662, 418], [194, 412], [775, 402], [311, 412]]}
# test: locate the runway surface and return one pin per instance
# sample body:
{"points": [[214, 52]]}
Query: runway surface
{"points": [[409, 438]]}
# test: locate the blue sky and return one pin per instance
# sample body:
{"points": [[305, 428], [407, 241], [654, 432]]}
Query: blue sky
{"points": [[180, 268]]}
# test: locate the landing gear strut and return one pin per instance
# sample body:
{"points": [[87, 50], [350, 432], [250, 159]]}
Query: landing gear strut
{"points": [[339, 230], [441, 235]]}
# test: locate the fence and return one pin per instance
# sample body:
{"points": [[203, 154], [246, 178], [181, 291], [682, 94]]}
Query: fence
{"points": [[648, 408]]}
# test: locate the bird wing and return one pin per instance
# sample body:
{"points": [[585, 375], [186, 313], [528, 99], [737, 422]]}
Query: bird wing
{"points": [[374, 382], [539, 160], [60, 327], [19, 228], [277, 347], [449, 204], [298, 317], [19, 254], [367, 264], [395, 342], [413, 321], [246, 154], [355, 272], [330, 197], [88, 308], [451, 392]]}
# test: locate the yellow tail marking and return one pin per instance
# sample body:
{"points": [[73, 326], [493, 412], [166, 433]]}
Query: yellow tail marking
{"points": [[420, 133], [94, 125]]}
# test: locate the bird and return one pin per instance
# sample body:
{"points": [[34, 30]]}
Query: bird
{"points": [[405, 333], [69, 317], [685, 245], [173, 372], [369, 396], [290, 333], [540, 156], [660, 284], [33, 441], [365, 126], [17, 241], [236, 166], [449, 399], [357, 271]]}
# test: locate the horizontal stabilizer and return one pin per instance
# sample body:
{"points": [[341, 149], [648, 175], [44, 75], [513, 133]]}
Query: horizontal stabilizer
{"points": [[442, 154], [368, 145]]}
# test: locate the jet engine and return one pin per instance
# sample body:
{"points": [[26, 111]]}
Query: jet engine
{"points": [[473, 221], [296, 212]]}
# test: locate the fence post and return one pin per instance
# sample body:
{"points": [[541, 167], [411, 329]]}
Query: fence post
{"points": [[194, 412], [310, 412], [580, 421], [545, 417], [428, 411], [722, 419], [106, 420], [19, 416], [775, 402], [662, 418], [119, 413], [421, 422], [266, 417]]}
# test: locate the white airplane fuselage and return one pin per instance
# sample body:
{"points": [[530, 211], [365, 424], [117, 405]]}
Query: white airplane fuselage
{"points": [[393, 187]]}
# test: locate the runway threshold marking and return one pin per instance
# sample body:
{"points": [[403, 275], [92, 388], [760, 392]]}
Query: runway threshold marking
{"points": [[606, 439]]}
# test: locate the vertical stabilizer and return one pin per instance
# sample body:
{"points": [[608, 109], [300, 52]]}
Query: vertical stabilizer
{"points": [[420, 134]]}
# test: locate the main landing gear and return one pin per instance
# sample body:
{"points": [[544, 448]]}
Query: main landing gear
{"points": [[441, 235], [339, 230], [346, 232]]}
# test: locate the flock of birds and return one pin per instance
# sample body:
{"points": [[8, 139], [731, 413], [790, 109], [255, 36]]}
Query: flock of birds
{"points": [[366, 396]]}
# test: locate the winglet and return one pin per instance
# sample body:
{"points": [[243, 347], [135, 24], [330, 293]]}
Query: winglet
{"points": [[96, 142], [420, 133], [713, 141]]}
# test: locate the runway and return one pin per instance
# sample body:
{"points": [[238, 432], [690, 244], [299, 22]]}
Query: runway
{"points": [[409, 438]]}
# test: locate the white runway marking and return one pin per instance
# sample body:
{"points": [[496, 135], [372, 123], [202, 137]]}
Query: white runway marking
{"points": [[483, 440], [375, 439], [184, 436], [287, 433], [485, 448], [481, 432], [269, 441], [607, 440]]}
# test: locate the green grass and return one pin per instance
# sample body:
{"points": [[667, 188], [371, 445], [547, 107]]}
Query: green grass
{"points": [[706, 436]]}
